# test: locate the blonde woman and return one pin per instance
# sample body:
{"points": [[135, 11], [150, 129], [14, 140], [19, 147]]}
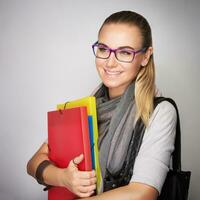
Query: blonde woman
{"points": [[134, 161]]}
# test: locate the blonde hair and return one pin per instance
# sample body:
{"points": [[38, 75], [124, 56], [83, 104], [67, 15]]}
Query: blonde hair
{"points": [[145, 91], [145, 80]]}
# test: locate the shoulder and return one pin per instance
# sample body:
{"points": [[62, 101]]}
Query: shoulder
{"points": [[161, 127], [164, 113], [162, 124]]}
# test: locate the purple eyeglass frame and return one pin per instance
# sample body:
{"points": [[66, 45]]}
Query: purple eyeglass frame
{"points": [[114, 51]]}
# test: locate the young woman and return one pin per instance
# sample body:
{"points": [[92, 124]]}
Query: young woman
{"points": [[124, 61]]}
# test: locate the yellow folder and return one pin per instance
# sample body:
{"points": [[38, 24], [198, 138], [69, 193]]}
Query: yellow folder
{"points": [[90, 103]]}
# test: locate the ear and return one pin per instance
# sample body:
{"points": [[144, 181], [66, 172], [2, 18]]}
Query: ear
{"points": [[146, 57]]}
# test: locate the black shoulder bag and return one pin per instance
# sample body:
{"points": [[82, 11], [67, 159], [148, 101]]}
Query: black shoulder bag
{"points": [[177, 182], [176, 185]]}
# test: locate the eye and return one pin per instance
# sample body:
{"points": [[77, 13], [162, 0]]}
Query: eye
{"points": [[102, 49], [125, 52]]}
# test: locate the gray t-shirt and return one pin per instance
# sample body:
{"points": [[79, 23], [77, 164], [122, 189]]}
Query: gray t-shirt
{"points": [[152, 162]]}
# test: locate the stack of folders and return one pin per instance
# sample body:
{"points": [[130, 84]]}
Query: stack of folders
{"points": [[72, 130]]}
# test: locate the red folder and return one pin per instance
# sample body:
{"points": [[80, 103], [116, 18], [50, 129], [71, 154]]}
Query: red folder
{"points": [[68, 137]]}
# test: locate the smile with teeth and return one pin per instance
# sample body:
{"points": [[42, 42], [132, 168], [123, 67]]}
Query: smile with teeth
{"points": [[112, 72]]}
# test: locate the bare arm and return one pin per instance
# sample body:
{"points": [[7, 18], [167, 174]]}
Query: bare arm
{"points": [[38, 157], [81, 183], [133, 191]]}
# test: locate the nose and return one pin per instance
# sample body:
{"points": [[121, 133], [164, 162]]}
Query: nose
{"points": [[112, 61]]}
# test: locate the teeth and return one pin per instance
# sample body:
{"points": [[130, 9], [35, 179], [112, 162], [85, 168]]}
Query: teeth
{"points": [[112, 72]]}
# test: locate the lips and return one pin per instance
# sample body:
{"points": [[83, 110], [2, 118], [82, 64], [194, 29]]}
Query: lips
{"points": [[112, 72]]}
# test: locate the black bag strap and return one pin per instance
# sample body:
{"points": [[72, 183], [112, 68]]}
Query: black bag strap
{"points": [[176, 155]]}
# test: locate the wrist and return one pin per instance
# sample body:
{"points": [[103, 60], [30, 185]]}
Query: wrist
{"points": [[59, 175], [52, 175], [63, 177], [40, 171]]}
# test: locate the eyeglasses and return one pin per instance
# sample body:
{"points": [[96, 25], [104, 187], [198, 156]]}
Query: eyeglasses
{"points": [[122, 54]]}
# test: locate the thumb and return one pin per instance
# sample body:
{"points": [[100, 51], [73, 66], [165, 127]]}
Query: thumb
{"points": [[77, 160]]}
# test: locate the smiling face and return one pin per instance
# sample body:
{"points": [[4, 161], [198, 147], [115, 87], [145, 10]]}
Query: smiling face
{"points": [[114, 74]]}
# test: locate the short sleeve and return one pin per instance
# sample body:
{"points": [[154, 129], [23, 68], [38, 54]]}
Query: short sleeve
{"points": [[152, 162]]}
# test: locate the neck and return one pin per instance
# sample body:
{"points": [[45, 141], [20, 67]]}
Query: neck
{"points": [[116, 92]]}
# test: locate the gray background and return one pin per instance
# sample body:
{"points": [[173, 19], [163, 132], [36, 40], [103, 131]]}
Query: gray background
{"points": [[46, 59]]}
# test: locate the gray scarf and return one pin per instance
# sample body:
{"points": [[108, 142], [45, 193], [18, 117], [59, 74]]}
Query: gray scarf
{"points": [[116, 124]]}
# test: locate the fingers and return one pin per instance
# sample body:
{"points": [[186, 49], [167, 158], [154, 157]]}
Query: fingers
{"points": [[83, 187], [83, 195], [87, 189], [86, 174], [87, 178], [88, 182], [83, 178], [82, 183]]}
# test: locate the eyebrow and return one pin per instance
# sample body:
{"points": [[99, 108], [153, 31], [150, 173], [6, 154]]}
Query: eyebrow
{"points": [[121, 47]]}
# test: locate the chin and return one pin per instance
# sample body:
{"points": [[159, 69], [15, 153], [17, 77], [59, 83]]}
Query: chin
{"points": [[113, 84]]}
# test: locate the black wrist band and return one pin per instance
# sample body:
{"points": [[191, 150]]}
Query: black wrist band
{"points": [[39, 171]]}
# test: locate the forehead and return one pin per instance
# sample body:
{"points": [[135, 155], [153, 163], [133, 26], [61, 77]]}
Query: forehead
{"points": [[117, 35]]}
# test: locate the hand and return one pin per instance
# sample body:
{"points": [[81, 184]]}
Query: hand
{"points": [[81, 183]]}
